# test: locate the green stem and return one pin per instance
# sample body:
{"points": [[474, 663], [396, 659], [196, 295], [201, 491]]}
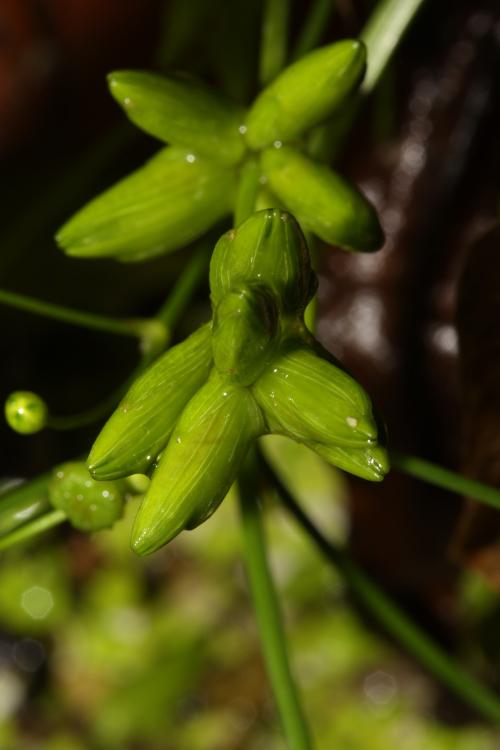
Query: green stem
{"points": [[170, 312], [23, 503], [446, 479], [38, 526], [269, 617], [248, 189], [273, 47], [392, 618], [382, 34], [314, 27], [67, 315]]}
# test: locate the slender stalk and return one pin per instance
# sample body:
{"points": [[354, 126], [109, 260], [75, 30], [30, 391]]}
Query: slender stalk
{"points": [[273, 46], [382, 34], [446, 479], [170, 312], [248, 189], [314, 27], [269, 616], [68, 315], [392, 618], [38, 526], [23, 503]]}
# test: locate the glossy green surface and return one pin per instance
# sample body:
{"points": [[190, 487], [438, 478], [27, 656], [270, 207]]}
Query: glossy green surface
{"points": [[310, 399], [244, 334], [25, 412], [306, 93], [268, 249], [89, 505], [199, 464], [138, 430], [180, 112], [323, 202], [174, 198]]}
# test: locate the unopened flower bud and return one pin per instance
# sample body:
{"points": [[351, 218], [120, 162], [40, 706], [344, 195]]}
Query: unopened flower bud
{"points": [[306, 93], [310, 399], [135, 434], [173, 199], [199, 464], [323, 202], [267, 250], [180, 112]]}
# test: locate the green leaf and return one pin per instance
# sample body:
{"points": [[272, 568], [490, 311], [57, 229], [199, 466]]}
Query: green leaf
{"points": [[199, 464], [138, 430], [269, 250], [323, 202], [309, 399], [170, 201], [306, 93], [181, 112]]}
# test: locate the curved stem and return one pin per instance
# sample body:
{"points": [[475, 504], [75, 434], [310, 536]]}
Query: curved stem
{"points": [[273, 46], [190, 278], [428, 472], [23, 503], [67, 315], [314, 27], [269, 616], [382, 34], [393, 619], [248, 189], [38, 526]]}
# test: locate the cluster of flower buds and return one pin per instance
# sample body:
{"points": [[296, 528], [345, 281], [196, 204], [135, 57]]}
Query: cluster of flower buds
{"points": [[193, 182], [253, 370]]}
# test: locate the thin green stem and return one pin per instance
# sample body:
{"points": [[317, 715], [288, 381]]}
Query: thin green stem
{"points": [[38, 526], [68, 315], [392, 618], [248, 189], [446, 479], [382, 34], [170, 312], [23, 503], [314, 27], [273, 46], [269, 616]]}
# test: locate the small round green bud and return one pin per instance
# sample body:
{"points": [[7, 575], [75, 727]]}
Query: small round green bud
{"points": [[89, 505], [25, 412]]}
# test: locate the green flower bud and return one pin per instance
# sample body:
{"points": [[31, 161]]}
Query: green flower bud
{"points": [[138, 430], [368, 462], [171, 200], [199, 464], [306, 93], [89, 505], [182, 113], [322, 201], [269, 250], [309, 399], [25, 412], [243, 334]]}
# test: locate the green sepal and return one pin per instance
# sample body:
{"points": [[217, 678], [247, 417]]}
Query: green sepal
{"points": [[306, 93], [138, 430], [368, 462], [199, 464], [323, 202], [89, 505], [170, 201], [269, 250], [244, 333], [180, 112], [310, 399]]}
